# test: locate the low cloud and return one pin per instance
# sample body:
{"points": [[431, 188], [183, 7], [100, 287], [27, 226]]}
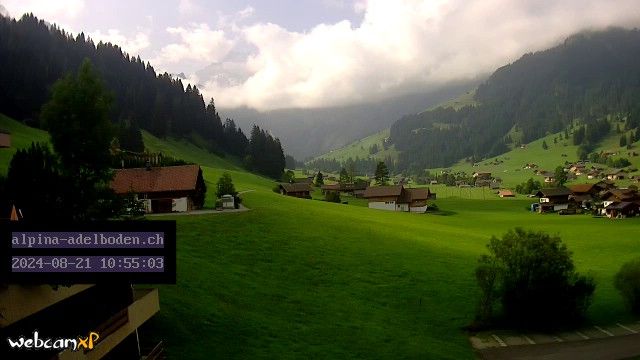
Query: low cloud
{"points": [[132, 45], [197, 43], [398, 47], [46, 9]]}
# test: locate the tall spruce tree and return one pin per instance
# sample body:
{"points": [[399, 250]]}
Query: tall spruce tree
{"points": [[77, 118]]}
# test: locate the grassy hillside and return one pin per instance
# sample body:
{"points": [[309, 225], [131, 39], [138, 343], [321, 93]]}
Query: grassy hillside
{"points": [[21, 137], [466, 99], [509, 166], [360, 148]]}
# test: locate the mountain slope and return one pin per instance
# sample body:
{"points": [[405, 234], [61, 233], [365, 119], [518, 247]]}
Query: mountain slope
{"points": [[362, 148], [310, 132], [587, 77]]}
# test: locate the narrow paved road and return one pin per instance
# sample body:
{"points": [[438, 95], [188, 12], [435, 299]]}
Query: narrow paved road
{"points": [[618, 347], [241, 208]]}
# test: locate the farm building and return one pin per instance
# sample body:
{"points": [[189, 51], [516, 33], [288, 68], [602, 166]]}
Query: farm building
{"points": [[5, 139], [355, 189], [505, 193], [553, 199], [616, 175], [549, 177], [622, 209], [397, 198], [163, 189], [482, 175], [583, 194], [620, 195], [228, 201], [300, 190]]}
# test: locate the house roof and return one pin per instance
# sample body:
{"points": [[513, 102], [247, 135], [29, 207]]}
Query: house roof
{"points": [[547, 173], [330, 187], [295, 187], [581, 188], [546, 192], [418, 194], [581, 198], [383, 191], [157, 179], [622, 194], [621, 205], [505, 193]]}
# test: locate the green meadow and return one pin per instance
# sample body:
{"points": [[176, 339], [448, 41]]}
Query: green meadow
{"points": [[296, 278]]}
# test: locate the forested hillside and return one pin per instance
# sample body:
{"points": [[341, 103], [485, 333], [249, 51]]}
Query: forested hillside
{"points": [[588, 76], [34, 54]]}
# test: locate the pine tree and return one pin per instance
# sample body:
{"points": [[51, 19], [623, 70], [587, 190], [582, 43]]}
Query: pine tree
{"points": [[623, 140], [544, 145], [382, 173], [319, 180], [79, 109]]}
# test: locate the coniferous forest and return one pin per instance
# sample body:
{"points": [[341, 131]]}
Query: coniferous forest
{"points": [[34, 54], [587, 77]]}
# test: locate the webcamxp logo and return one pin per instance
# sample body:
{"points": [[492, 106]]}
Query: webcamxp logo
{"points": [[36, 343]]}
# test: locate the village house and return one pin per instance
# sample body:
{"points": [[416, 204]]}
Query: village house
{"points": [[5, 139], [355, 188], [553, 199], [397, 198], [619, 195], [594, 174], [549, 177], [163, 189], [584, 194], [622, 209], [578, 169], [505, 193], [300, 190], [482, 175], [617, 174], [305, 180]]}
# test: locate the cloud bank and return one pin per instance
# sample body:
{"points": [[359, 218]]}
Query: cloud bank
{"points": [[400, 46]]}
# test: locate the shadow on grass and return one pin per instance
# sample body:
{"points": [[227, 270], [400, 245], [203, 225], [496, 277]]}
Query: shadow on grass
{"points": [[443, 213]]}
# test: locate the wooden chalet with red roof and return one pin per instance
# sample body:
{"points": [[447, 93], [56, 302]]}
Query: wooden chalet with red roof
{"points": [[163, 189]]}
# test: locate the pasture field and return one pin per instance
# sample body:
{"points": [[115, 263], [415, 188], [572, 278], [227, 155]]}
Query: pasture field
{"points": [[296, 278], [299, 278], [509, 166], [21, 137]]}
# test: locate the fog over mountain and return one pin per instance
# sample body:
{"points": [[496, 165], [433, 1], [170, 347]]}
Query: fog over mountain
{"points": [[311, 132]]}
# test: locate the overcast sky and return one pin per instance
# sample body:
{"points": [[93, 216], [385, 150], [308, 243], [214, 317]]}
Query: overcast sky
{"points": [[303, 53]]}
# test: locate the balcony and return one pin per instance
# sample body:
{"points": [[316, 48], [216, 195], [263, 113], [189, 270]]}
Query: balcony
{"points": [[19, 301], [114, 330]]}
